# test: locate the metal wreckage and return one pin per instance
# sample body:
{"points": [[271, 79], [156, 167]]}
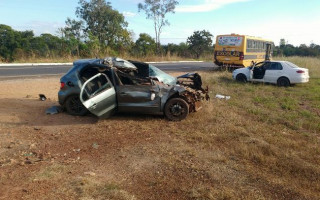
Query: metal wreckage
{"points": [[115, 85]]}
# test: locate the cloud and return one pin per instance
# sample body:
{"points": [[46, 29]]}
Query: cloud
{"points": [[39, 27], [288, 30], [206, 6], [129, 14]]}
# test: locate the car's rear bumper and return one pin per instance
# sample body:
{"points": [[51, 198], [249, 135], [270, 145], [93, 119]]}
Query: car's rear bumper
{"points": [[62, 97], [301, 79]]}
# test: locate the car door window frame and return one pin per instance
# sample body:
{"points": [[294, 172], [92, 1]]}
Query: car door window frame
{"points": [[109, 83]]}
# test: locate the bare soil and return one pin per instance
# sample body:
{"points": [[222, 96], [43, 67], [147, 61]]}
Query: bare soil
{"points": [[67, 157]]}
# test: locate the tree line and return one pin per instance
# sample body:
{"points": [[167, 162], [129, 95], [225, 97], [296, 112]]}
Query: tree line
{"points": [[24, 45], [286, 49], [100, 30]]}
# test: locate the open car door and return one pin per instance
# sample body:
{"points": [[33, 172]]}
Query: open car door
{"points": [[99, 96], [251, 72]]}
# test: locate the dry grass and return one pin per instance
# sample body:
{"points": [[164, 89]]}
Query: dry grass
{"points": [[269, 135], [263, 143]]}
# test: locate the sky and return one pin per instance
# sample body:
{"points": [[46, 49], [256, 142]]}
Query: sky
{"points": [[297, 21]]}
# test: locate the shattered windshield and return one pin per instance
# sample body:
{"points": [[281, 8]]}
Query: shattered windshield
{"points": [[162, 76]]}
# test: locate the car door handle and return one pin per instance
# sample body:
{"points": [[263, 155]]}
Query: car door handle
{"points": [[123, 94], [94, 106]]}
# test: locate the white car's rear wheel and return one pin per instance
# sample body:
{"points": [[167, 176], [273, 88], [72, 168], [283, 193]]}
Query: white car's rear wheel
{"points": [[283, 82]]}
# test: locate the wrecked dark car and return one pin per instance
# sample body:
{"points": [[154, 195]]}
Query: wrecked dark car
{"points": [[105, 86]]}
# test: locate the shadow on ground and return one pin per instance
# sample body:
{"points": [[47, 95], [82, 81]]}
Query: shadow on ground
{"points": [[32, 112]]}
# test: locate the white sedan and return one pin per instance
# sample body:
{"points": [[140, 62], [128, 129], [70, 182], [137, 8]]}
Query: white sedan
{"points": [[282, 73]]}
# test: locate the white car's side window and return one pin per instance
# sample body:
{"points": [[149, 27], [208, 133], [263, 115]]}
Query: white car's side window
{"points": [[275, 66]]}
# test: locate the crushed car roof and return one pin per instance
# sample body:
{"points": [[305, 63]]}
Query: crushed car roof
{"points": [[110, 61]]}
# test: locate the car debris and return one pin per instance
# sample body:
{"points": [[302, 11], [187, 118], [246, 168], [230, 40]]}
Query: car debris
{"points": [[105, 86], [54, 110], [95, 145], [220, 96], [42, 97]]}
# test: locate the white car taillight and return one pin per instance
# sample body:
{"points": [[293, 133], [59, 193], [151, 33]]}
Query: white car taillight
{"points": [[300, 72]]}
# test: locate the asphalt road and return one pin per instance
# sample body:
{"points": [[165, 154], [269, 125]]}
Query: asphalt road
{"points": [[19, 71]]}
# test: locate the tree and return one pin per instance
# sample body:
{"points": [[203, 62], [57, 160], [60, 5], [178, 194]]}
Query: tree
{"points": [[282, 43], [8, 42], [102, 21], [73, 33], [183, 50], [39, 47], [157, 10], [73, 28], [145, 45], [26, 37], [199, 42], [93, 45], [125, 42]]}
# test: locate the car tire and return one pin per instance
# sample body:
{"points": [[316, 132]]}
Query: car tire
{"points": [[176, 109], [74, 106], [283, 82], [241, 78]]}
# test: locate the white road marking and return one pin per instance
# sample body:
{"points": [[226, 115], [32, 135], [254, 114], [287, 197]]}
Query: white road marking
{"points": [[25, 76], [1, 68], [33, 64]]}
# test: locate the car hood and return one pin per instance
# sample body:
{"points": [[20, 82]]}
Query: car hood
{"points": [[242, 70]]}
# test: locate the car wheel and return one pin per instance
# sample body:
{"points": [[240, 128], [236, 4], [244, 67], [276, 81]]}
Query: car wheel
{"points": [[74, 106], [176, 109], [241, 78], [283, 82]]}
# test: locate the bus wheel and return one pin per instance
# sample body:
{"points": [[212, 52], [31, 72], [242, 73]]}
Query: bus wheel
{"points": [[241, 78]]}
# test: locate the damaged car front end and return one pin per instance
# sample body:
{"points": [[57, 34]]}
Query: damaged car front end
{"points": [[117, 85], [195, 93]]}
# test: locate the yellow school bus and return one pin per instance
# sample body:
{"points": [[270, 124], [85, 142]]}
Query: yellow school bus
{"points": [[241, 50]]}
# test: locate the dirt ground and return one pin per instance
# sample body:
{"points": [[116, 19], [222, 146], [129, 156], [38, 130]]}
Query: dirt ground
{"points": [[67, 157]]}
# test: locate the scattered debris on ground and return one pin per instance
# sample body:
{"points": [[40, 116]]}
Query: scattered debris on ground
{"points": [[54, 110], [42, 97], [220, 96]]}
